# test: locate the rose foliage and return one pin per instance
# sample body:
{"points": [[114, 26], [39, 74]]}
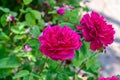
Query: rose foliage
{"points": [[52, 40]]}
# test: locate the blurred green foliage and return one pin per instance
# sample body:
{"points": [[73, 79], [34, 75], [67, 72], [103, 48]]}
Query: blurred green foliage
{"points": [[18, 64]]}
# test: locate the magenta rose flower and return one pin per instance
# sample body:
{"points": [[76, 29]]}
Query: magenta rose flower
{"points": [[61, 10], [96, 31], [59, 43], [111, 78]]}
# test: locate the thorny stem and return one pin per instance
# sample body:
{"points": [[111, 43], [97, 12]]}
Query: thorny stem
{"points": [[84, 62]]}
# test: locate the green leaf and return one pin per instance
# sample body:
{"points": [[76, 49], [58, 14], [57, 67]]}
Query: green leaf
{"points": [[92, 66], [9, 62], [83, 49], [34, 43], [32, 16], [4, 36], [26, 78], [40, 1], [90, 62], [41, 24], [31, 78], [52, 64], [13, 13], [56, 75], [15, 30], [4, 50], [79, 58], [51, 2], [3, 20], [51, 75], [52, 12], [0, 29], [36, 14], [17, 37], [73, 3], [5, 72], [6, 10], [21, 74], [35, 75], [70, 16], [28, 9], [27, 55], [30, 19], [90, 78], [55, 19], [69, 72], [22, 54], [18, 29], [93, 61], [17, 49], [67, 24], [26, 2], [35, 31], [61, 76]]}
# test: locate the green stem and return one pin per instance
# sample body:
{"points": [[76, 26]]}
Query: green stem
{"points": [[20, 15], [46, 60], [84, 62]]}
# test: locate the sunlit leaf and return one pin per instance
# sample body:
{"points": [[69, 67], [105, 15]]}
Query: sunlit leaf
{"points": [[9, 62], [26, 2], [21, 73]]}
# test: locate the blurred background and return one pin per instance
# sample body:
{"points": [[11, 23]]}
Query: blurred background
{"points": [[110, 9]]}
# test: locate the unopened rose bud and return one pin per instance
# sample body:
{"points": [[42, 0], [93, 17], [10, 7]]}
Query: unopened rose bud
{"points": [[27, 30], [27, 48], [61, 11], [10, 18]]}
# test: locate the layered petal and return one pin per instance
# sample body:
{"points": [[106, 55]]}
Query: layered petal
{"points": [[59, 43], [96, 31]]}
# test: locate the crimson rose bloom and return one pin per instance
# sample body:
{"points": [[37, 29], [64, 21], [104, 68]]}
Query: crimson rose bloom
{"points": [[59, 43], [61, 10], [96, 31], [111, 78]]}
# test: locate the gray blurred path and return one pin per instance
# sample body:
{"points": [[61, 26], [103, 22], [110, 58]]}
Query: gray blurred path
{"points": [[111, 10]]}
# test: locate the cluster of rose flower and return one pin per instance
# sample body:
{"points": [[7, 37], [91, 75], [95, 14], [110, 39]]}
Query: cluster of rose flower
{"points": [[59, 43]]}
